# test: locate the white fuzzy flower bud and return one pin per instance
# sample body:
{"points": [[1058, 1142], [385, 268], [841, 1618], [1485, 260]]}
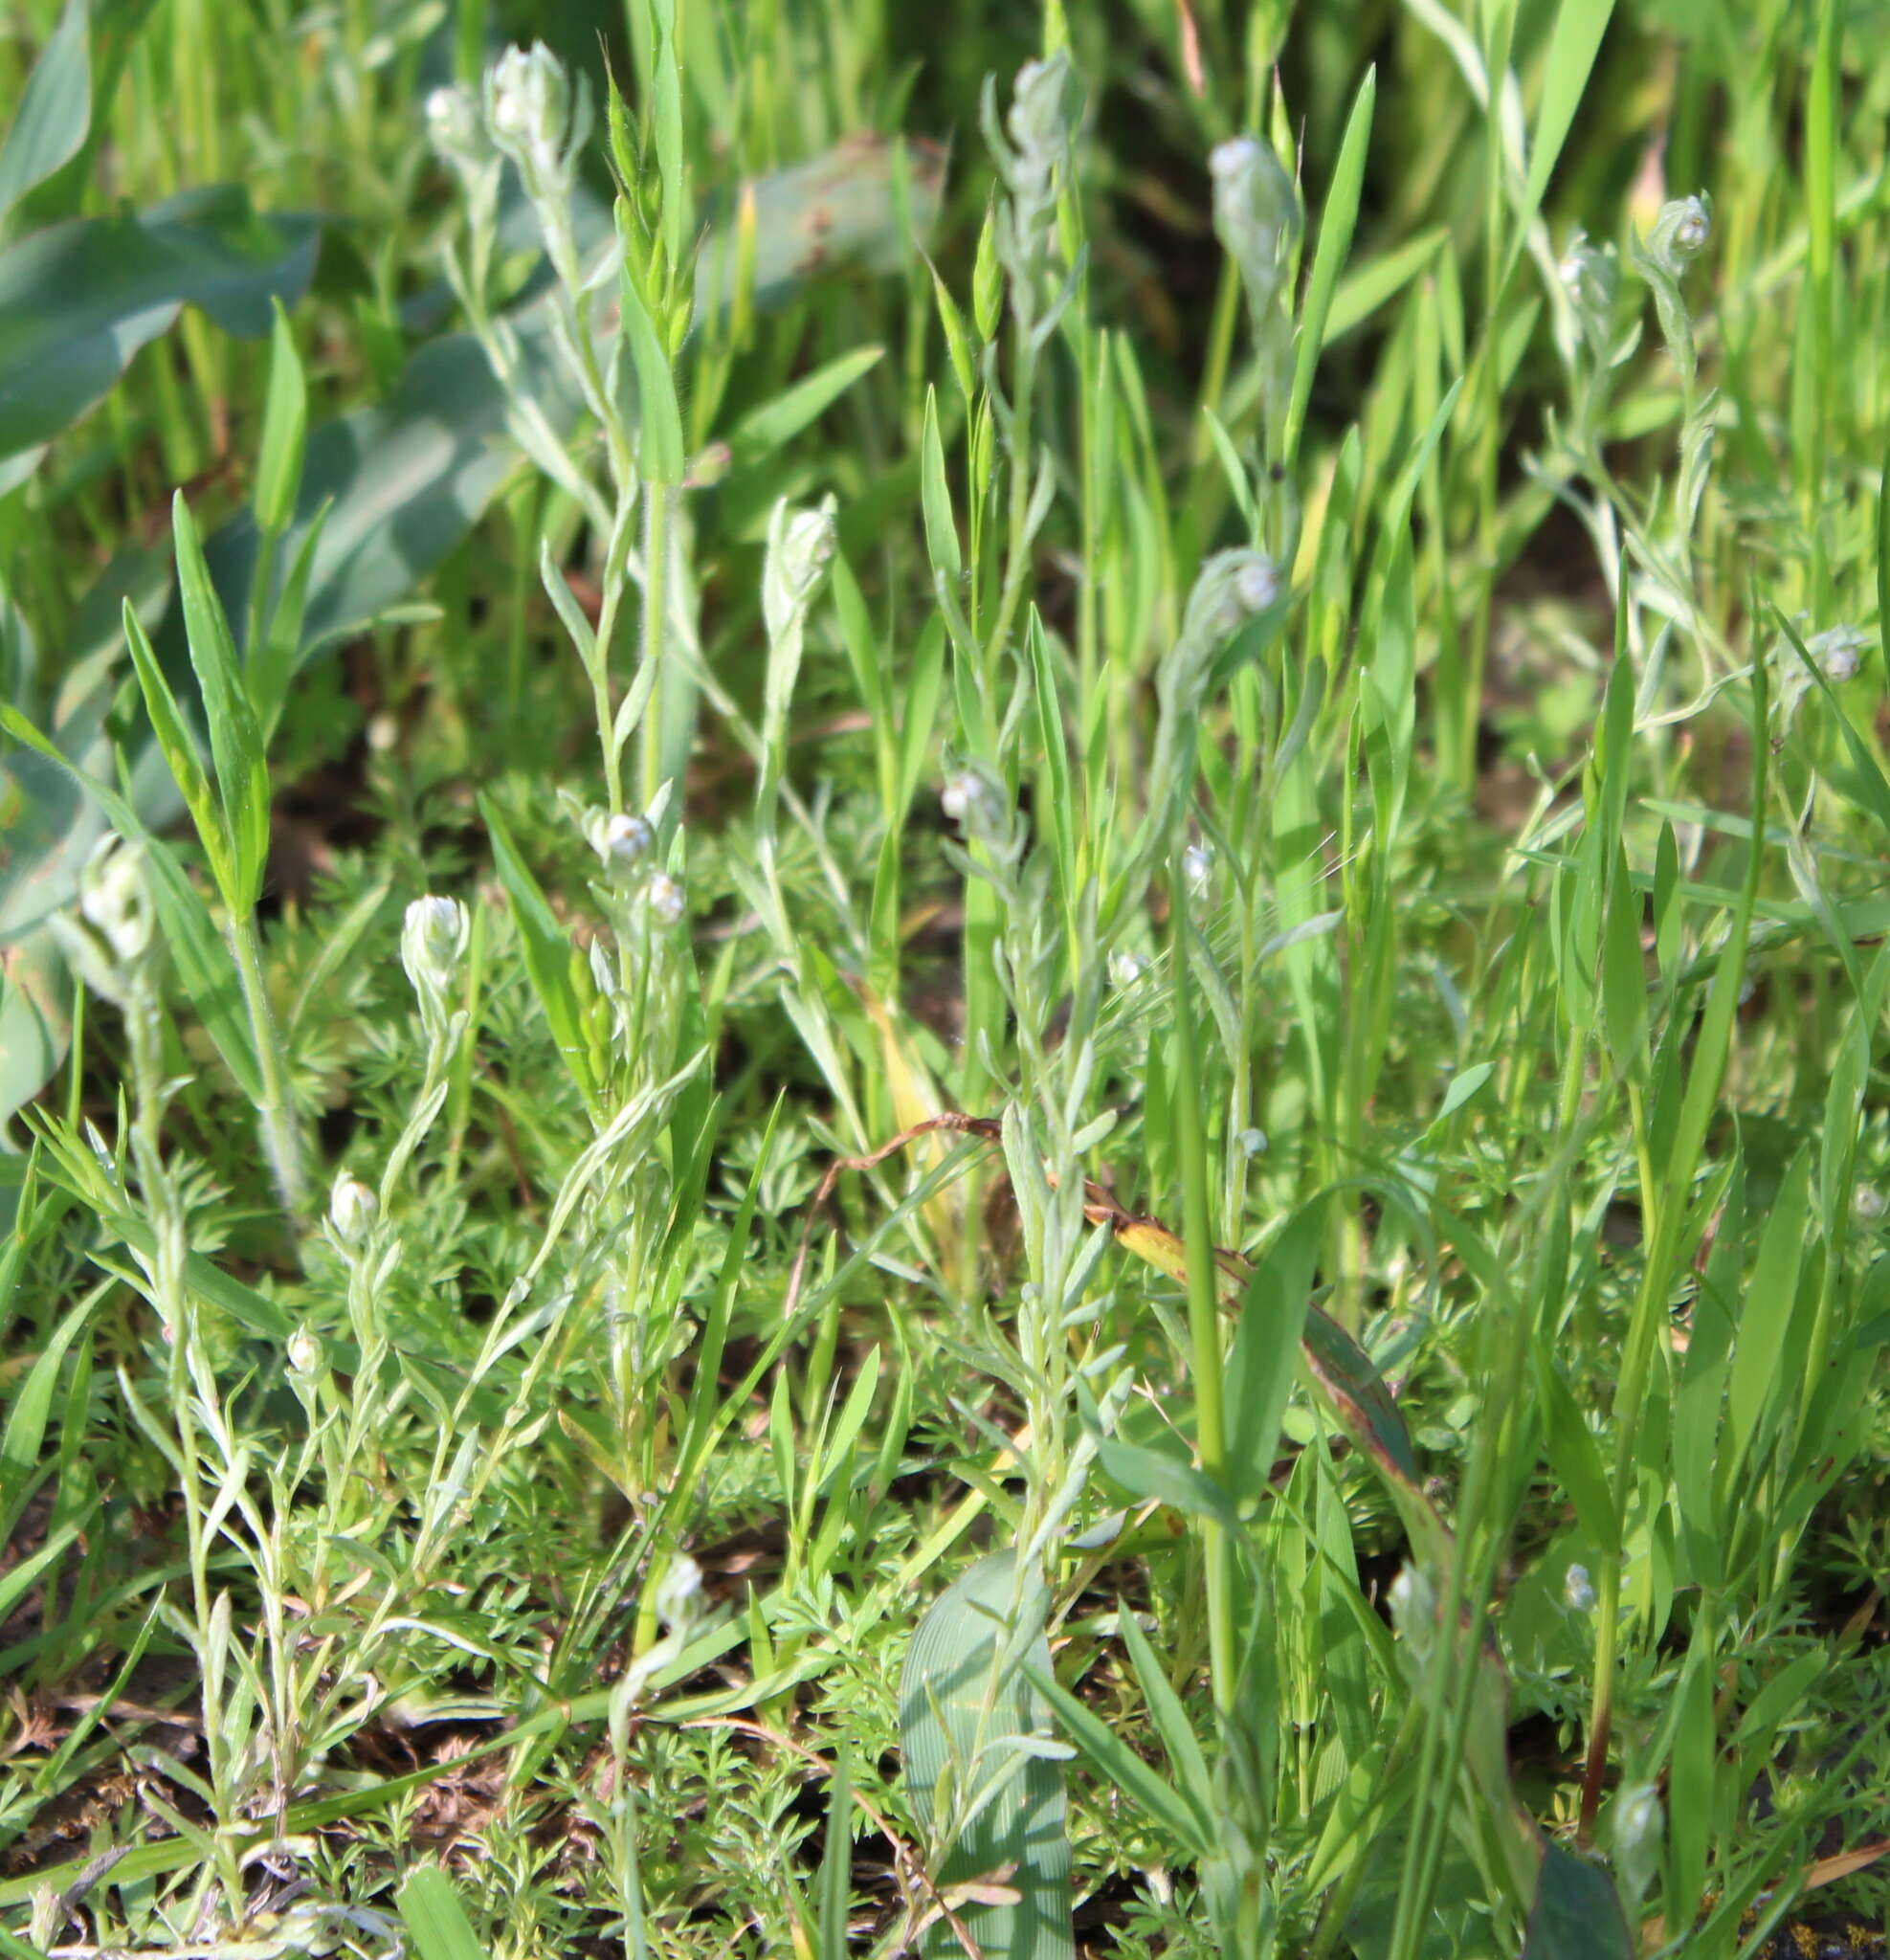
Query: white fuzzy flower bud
{"points": [[352, 1210], [1253, 1142], [1680, 232], [1197, 867], [454, 130], [115, 897], [621, 840], [1578, 1589], [664, 897], [679, 1597], [432, 942], [528, 104], [306, 1354], [1125, 968], [799, 544], [1868, 1204], [1838, 651], [1257, 215], [1639, 1828]]}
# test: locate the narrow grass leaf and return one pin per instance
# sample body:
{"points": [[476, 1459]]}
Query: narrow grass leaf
{"points": [[765, 431], [836, 1893], [1764, 1317], [235, 738], [25, 1433], [1573, 44], [547, 952], [1335, 243], [284, 432], [935, 498], [658, 418]]}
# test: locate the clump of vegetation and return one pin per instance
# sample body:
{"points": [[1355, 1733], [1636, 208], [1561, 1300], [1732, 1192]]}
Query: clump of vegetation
{"points": [[956, 1050]]}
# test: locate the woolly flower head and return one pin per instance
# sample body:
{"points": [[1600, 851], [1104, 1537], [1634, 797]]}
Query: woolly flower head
{"points": [[1838, 651], [1257, 213]]}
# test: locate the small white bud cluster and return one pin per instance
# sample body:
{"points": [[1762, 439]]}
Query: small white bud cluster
{"points": [[978, 802], [625, 842], [1197, 867], [533, 117], [456, 131]]}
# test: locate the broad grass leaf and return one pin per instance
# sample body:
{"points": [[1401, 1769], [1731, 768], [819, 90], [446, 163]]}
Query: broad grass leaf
{"points": [[1264, 1358], [965, 1638], [434, 1918], [765, 430], [1756, 1394]]}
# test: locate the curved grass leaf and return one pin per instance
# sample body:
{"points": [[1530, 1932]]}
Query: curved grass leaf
{"points": [[970, 1717], [55, 112]]}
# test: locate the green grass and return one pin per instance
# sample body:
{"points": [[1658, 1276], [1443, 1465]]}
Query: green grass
{"points": [[986, 1052]]}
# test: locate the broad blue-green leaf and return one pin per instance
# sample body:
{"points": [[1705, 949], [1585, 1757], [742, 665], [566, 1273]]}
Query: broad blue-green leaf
{"points": [[79, 300], [1576, 1914], [834, 212], [967, 1658], [36, 1019], [55, 111]]}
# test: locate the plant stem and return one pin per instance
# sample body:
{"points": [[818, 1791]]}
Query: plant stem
{"points": [[1203, 1303], [655, 619], [281, 1139]]}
